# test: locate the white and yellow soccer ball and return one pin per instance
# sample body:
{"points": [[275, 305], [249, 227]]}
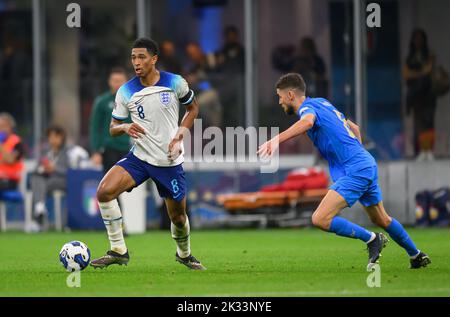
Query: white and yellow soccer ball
{"points": [[75, 256]]}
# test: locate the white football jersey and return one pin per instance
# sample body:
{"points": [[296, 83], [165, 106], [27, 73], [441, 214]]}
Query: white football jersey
{"points": [[156, 109]]}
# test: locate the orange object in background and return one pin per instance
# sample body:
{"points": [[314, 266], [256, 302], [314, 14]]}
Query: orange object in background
{"points": [[427, 140], [300, 186]]}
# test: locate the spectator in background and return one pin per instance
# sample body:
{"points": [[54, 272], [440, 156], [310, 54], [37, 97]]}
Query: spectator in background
{"points": [[230, 62], [167, 59], [11, 154], [107, 150], [420, 98], [312, 67], [51, 171], [231, 58], [197, 67], [198, 75]]}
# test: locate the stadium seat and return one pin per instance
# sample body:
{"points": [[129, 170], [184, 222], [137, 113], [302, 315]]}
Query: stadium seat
{"points": [[57, 197], [6, 196]]}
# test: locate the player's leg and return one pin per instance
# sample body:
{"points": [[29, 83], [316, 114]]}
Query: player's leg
{"points": [[171, 184], [109, 158], [179, 226], [180, 230], [379, 217], [325, 218], [372, 200], [126, 174], [115, 182], [345, 192]]}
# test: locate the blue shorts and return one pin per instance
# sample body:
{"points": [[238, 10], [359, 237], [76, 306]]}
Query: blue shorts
{"points": [[170, 181], [361, 185]]}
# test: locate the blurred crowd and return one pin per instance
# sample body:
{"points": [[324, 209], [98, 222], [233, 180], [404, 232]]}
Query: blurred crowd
{"points": [[217, 78], [305, 60]]}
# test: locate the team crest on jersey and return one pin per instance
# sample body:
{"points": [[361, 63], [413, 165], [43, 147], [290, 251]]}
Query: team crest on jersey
{"points": [[164, 97]]}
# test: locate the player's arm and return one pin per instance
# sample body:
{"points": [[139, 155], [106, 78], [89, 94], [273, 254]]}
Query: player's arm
{"points": [[355, 129], [300, 127], [188, 120], [117, 128], [186, 98], [186, 124]]}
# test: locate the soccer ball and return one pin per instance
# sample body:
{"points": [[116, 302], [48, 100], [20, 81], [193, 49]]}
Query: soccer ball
{"points": [[75, 256]]}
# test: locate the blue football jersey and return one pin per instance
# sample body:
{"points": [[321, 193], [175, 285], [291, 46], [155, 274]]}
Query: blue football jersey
{"points": [[334, 139]]}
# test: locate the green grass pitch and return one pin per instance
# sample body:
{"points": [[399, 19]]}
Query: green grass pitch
{"points": [[262, 263]]}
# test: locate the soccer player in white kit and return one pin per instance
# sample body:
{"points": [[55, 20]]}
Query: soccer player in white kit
{"points": [[153, 99]]}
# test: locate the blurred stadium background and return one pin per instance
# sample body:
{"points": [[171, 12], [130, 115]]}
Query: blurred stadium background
{"points": [[231, 52]]}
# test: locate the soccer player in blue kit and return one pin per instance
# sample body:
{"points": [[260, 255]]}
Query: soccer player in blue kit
{"points": [[352, 168]]}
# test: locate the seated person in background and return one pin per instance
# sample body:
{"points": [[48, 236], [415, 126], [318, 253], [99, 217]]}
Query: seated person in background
{"points": [[11, 154], [51, 171]]}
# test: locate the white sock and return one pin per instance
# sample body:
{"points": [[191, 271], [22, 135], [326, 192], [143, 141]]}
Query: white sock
{"points": [[182, 239], [415, 256], [112, 217], [40, 208], [372, 237]]}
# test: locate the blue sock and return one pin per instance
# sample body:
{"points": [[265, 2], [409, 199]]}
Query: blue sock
{"points": [[399, 235], [345, 228]]}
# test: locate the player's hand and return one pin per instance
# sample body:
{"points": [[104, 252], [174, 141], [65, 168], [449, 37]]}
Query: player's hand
{"points": [[268, 148], [134, 130], [174, 149]]}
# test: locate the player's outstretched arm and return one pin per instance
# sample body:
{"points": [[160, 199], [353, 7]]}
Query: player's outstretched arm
{"points": [[300, 127], [117, 128], [355, 129]]}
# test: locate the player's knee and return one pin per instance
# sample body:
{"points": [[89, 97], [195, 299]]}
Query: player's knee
{"points": [[105, 193], [179, 220], [320, 222], [382, 222]]}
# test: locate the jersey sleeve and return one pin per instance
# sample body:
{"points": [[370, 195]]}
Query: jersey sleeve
{"points": [[120, 111], [303, 111], [184, 94]]}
